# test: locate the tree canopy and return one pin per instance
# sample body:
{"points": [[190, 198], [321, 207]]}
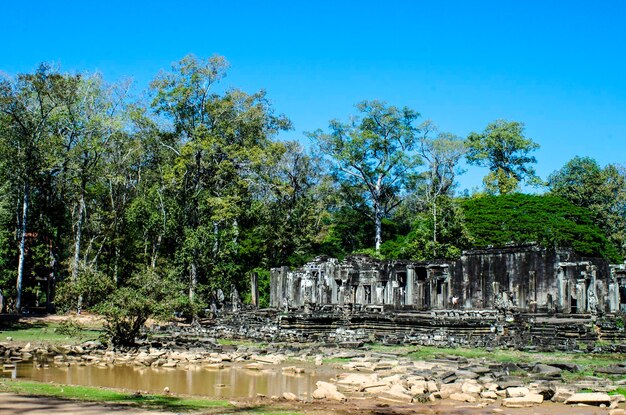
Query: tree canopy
{"points": [[143, 209]]}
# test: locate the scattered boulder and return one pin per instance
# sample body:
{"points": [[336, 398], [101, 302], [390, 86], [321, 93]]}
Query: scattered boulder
{"points": [[530, 399], [594, 398]]}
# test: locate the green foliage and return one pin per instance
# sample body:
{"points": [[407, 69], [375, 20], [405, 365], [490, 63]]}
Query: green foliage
{"points": [[547, 220], [147, 295], [92, 286], [373, 156], [70, 327], [504, 150], [601, 190]]}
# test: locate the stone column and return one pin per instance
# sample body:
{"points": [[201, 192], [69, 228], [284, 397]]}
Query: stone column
{"points": [[410, 283], [254, 288]]}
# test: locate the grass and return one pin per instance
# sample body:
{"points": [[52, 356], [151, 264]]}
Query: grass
{"points": [[156, 402], [586, 361], [92, 394], [45, 333], [618, 391]]}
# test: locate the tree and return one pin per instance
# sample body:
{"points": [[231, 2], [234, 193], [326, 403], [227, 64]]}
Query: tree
{"points": [[28, 107], [504, 150], [442, 155], [601, 190], [222, 139], [373, 154], [548, 220]]}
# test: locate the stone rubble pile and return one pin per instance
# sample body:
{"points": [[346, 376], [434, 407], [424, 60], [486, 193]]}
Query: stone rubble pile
{"points": [[362, 373]]}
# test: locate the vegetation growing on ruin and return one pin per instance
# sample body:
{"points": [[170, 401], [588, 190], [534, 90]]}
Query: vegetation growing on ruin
{"points": [[548, 220]]}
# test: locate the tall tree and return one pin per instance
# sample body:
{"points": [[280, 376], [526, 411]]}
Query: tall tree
{"points": [[222, 139], [374, 152], [29, 105], [504, 150], [585, 183], [442, 155]]}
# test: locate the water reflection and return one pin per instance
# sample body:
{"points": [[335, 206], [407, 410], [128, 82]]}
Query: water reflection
{"points": [[229, 382]]}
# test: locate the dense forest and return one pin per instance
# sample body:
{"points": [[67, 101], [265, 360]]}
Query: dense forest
{"points": [[109, 201]]}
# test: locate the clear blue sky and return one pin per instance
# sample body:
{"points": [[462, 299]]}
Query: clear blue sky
{"points": [[557, 66]]}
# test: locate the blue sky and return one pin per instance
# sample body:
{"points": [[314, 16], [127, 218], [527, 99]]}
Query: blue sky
{"points": [[557, 66]]}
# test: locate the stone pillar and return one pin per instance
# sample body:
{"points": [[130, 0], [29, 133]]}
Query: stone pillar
{"points": [[410, 284], [613, 297], [562, 294], [581, 296], [419, 295], [254, 288]]}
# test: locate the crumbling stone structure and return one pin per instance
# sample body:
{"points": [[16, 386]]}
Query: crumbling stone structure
{"points": [[521, 278]]}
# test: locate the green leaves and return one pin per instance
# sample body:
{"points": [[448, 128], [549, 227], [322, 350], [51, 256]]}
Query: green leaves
{"points": [[504, 150], [547, 220]]}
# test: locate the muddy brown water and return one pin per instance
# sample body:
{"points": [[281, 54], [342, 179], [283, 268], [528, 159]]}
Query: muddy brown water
{"points": [[229, 382]]}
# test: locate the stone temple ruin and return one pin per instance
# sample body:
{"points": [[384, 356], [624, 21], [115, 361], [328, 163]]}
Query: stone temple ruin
{"points": [[524, 297], [522, 278]]}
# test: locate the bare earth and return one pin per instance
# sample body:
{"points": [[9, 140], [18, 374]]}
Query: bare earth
{"points": [[12, 404]]}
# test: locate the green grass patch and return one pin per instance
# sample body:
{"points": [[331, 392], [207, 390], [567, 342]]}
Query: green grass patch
{"points": [[41, 333], [93, 394], [587, 362], [618, 391], [336, 360]]}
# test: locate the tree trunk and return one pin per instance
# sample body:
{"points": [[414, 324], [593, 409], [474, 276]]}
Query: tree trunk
{"points": [[51, 277], [77, 241], [20, 266], [434, 228], [378, 224], [193, 281]]}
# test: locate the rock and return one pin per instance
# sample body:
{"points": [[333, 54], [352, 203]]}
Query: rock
{"points": [[357, 379], [293, 369], [471, 387], [595, 398], [488, 395], [448, 377], [290, 396], [462, 397], [612, 370], [397, 393], [523, 401], [431, 386], [618, 398], [318, 361], [327, 390], [254, 366], [547, 370], [561, 395], [418, 386], [517, 392], [466, 374], [448, 389], [547, 390], [617, 412], [570, 367]]}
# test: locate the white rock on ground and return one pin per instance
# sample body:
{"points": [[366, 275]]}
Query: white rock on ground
{"points": [[523, 401], [595, 398]]}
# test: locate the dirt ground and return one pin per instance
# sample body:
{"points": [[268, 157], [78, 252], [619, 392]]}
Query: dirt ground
{"points": [[12, 404]]}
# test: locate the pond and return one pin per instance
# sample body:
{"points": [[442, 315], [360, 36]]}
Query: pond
{"points": [[228, 382]]}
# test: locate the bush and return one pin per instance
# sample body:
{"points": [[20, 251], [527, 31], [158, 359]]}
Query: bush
{"points": [[147, 295], [92, 285], [70, 327]]}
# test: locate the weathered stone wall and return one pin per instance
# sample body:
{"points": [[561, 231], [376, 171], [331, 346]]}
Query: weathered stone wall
{"points": [[523, 278], [445, 328]]}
